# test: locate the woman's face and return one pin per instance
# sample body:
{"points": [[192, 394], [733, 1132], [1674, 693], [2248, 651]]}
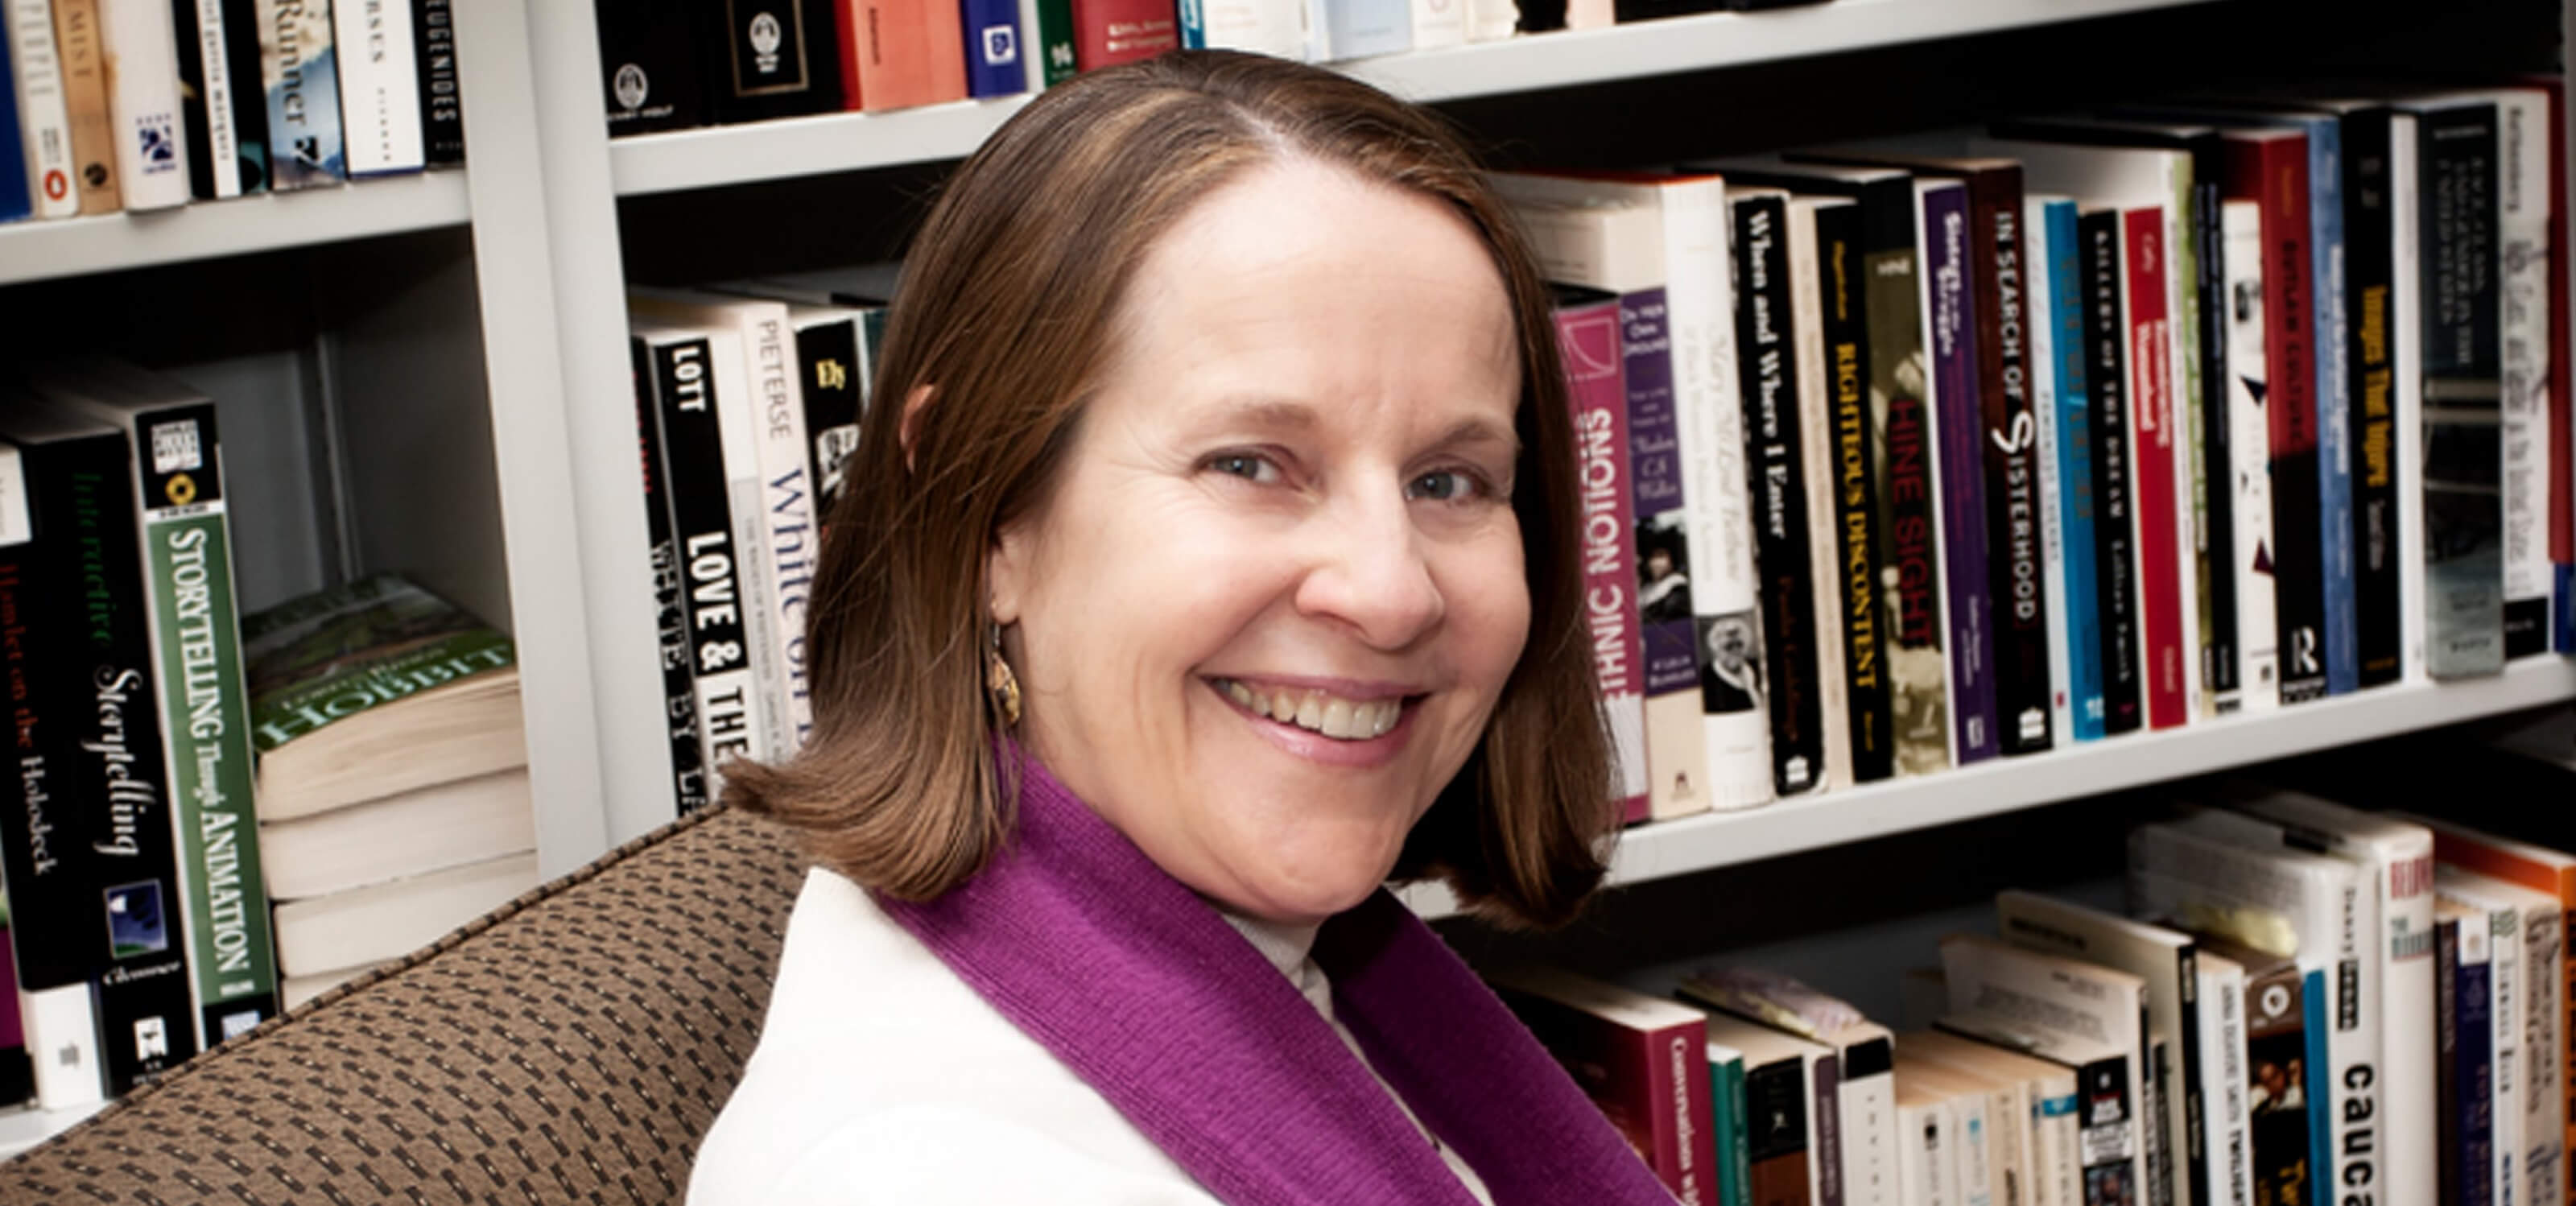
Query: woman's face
{"points": [[1276, 587]]}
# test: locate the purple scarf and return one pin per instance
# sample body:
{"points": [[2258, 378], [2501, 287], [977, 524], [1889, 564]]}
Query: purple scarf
{"points": [[1148, 995]]}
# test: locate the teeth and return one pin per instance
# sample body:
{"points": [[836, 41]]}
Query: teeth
{"points": [[1340, 719]]}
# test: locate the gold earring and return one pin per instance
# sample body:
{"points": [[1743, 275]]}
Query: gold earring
{"points": [[1000, 683]]}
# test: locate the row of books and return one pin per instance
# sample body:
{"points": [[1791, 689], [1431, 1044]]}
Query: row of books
{"points": [[748, 399], [674, 64], [2304, 1004], [109, 105], [1987, 442], [178, 767]]}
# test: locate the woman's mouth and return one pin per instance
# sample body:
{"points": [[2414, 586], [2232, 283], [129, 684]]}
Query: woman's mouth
{"points": [[1319, 711]]}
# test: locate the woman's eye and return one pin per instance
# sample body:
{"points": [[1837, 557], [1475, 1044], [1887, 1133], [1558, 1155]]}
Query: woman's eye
{"points": [[1445, 485], [1245, 465]]}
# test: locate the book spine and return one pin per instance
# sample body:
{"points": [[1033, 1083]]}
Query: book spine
{"points": [[379, 102], [44, 116], [1735, 1138], [2225, 1080], [2108, 1141], [2247, 392], [1813, 396], [188, 576], [2562, 398], [143, 984], [911, 53], [2045, 450], [1109, 32], [702, 528], [785, 497], [1866, 1096], [1857, 476], [1900, 458], [299, 68], [2504, 959], [2523, 228], [1669, 573], [1765, 342], [832, 379], [1439, 24], [2406, 317], [780, 58], [2155, 1136], [1588, 341], [1775, 1102], [246, 96], [2404, 879], [670, 593], [2333, 401], [205, 96], [2369, 275], [2017, 580], [649, 66], [1492, 20], [2077, 593], [992, 37], [2151, 443], [151, 141], [442, 112], [44, 838], [1680, 1052], [2201, 257], [2276, 177], [2115, 561], [1958, 417], [2463, 516], [2447, 1119], [2192, 1144], [2544, 1138], [85, 91], [1046, 31], [1365, 28], [2474, 1056], [1832, 1187]]}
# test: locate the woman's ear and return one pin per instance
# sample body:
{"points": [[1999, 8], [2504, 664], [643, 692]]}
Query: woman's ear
{"points": [[1006, 573], [910, 428]]}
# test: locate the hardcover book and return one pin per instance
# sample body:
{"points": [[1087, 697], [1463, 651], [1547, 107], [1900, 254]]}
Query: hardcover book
{"points": [[1587, 337], [1109, 32], [648, 62], [1766, 340], [907, 52], [83, 52], [1864, 1115], [773, 58], [995, 65], [299, 71], [1780, 1109], [2462, 371], [1641, 1058], [1046, 36], [2525, 236], [2155, 446]]}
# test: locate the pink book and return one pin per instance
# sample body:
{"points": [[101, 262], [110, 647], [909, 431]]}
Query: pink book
{"points": [[1587, 339]]}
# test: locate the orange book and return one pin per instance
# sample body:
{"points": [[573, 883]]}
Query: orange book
{"points": [[907, 52]]}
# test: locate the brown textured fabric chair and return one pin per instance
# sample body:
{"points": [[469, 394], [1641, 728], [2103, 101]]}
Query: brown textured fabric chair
{"points": [[571, 1047]]}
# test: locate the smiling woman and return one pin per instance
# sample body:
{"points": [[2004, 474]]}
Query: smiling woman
{"points": [[1213, 571]]}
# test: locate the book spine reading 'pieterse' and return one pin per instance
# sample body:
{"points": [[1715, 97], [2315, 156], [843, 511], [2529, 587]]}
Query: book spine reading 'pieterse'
{"points": [[1958, 419], [1765, 350], [2463, 514], [2017, 584], [1900, 457], [1856, 515], [2106, 335], [670, 595], [1587, 335], [702, 529]]}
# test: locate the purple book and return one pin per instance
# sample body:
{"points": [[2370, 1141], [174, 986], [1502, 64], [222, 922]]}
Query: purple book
{"points": [[1959, 419], [1654, 450]]}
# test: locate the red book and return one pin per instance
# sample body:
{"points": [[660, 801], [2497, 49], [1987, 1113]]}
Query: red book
{"points": [[2151, 457], [904, 53], [1588, 342], [853, 17], [2562, 441], [2270, 168], [1109, 32], [1642, 1059]]}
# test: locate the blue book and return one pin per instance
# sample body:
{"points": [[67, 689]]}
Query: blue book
{"points": [[994, 64], [1193, 17], [2320, 1090], [1367, 27], [15, 200], [2075, 587], [2334, 398]]}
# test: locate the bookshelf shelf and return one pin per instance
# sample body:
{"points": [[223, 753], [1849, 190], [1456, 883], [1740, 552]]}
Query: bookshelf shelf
{"points": [[715, 156], [1711, 840], [25, 1128], [35, 251]]}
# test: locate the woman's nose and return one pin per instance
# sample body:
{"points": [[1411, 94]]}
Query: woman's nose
{"points": [[1371, 575]]}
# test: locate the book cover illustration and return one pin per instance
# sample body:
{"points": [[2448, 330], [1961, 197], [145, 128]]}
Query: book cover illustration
{"points": [[1900, 463], [300, 73], [366, 644]]}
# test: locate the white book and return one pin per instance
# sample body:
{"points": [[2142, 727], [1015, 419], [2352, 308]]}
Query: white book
{"points": [[1630, 236], [294, 992], [2087, 1017], [387, 921], [1273, 27], [2527, 928], [2526, 227], [2231, 874], [1492, 20], [1357, 29], [1927, 1148], [428, 829], [2167, 962], [2249, 451], [44, 117], [1967, 1169], [2226, 1117], [2396, 859], [2040, 283], [215, 75], [2035, 1161], [143, 102], [379, 88], [1816, 461], [1439, 24], [2406, 318]]}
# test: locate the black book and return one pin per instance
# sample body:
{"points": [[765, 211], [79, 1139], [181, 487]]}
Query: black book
{"points": [[2370, 275], [830, 351], [648, 61], [1857, 584], [2463, 369], [670, 596], [770, 58], [2115, 554], [701, 518], [442, 116], [1766, 356], [90, 690], [246, 114]]}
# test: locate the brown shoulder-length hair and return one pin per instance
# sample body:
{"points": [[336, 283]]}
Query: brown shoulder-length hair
{"points": [[1007, 309]]}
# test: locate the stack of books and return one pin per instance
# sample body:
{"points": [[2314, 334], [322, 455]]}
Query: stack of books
{"points": [[109, 105]]}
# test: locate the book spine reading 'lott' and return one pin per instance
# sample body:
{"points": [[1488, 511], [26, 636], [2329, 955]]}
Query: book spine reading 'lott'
{"points": [[2106, 336], [1900, 460], [187, 558], [1766, 344], [1587, 335], [2017, 584], [670, 595], [2463, 515], [379, 95], [2369, 276], [1859, 541], [85, 91], [2152, 439], [143, 986], [299, 69], [442, 112], [702, 530], [151, 141], [1668, 573], [44, 116], [1958, 417], [2078, 592]]}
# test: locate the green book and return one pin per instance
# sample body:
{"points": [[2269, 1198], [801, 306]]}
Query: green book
{"points": [[319, 660], [1733, 1149], [205, 713], [1054, 25]]}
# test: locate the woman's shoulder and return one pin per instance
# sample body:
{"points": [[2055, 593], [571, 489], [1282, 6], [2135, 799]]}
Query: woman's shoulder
{"points": [[877, 1060]]}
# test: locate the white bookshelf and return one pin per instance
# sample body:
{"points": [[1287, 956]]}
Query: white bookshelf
{"points": [[36, 251], [1998, 785], [24, 1128]]}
